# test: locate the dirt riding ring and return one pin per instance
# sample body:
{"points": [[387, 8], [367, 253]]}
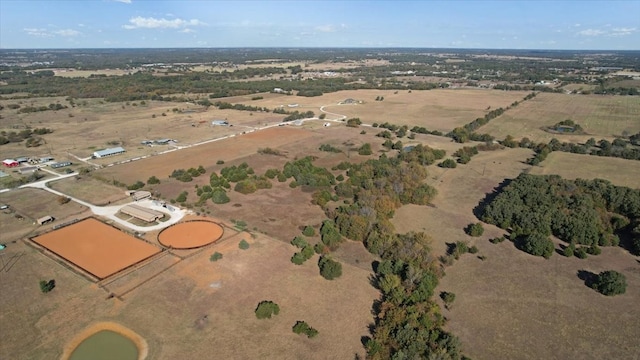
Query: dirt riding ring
{"points": [[190, 234]]}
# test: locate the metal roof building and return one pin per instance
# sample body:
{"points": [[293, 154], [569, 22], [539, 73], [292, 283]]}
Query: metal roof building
{"points": [[142, 213], [108, 152]]}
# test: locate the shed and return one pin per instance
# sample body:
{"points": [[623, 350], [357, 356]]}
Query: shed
{"points": [[140, 195], [10, 163], [142, 213], [45, 219], [22, 159], [220, 122], [45, 159], [108, 152], [61, 164], [28, 169]]}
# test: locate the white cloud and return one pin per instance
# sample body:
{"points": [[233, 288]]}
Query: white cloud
{"points": [[187, 31], [47, 33], [123, 1], [591, 32], [67, 32], [623, 31], [153, 23], [37, 32]]}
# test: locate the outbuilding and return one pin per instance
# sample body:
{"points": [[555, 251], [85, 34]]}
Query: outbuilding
{"points": [[45, 219], [10, 163], [108, 152], [220, 123], [142, 213]]}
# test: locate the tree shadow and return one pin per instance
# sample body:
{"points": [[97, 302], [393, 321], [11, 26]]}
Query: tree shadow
{"points": [[451, 247], [479, 209], [560, 251], [588, 277], [364, 340]]}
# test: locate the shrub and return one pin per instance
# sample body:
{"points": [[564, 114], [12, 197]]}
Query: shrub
{"points": [[365, 149], [298, 259], [473, 250], [243, 244], [136, 186], [329, 269], [46, 286], [448, 163], [301, 327], [474, 229], [63, 200], [219, 162], [153, 180], [448, 298], [538, 244], [610, 283], [215, 257], [581, 253], [569, 250], [308, 231], [299, 242], [266, 309]]}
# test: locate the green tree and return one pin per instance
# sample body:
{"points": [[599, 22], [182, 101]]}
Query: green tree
{"points": [[308, 231], [538, 244], [301, 327], [329, 268], [243, 244], [266, 309], [153, 180], [474, 230], [365, 149], [610, 283], [215, 257]]}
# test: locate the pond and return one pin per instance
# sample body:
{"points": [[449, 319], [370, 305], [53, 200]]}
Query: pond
{"points": [[104, 345]]}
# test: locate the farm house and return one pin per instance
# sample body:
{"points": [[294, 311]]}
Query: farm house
{"points": [[10, 163], [108, 152]]}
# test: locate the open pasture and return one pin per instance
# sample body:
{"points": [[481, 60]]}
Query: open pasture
{"points": [[434, 109], [600, 116], [517, 306], [95, 247], [28, 204], [90, 190], [619, 171]]}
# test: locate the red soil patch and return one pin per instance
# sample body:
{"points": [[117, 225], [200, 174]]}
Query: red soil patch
{"points": [[96, 247], [190, 234]]}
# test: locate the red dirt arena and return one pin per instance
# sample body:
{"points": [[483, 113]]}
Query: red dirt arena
{"points": [[190, 234], [98, 248]]}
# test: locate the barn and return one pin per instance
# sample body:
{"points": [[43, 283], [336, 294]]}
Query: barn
{"points": [[10, 163], [142, 213], [108, 152]]}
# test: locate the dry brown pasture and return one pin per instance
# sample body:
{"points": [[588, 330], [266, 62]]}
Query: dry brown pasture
{"points": [[513, 305], [93, 124], [434, 109], [619, 171], [195, 309], [516, 306], [32, 204], [600, 116], [90, 190]]}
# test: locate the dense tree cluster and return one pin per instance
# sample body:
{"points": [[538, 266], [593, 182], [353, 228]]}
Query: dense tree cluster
{"points": [[305, 173], [12, 136], [588, 212]]}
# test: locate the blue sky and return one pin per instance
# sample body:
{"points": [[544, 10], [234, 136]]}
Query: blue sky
{"points": [[589, 25]]}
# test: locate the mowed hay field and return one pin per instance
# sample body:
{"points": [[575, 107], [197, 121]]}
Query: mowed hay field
{"points": [[620, 172], [195, 310], [434, 109], [517, 306], [600, 117]]}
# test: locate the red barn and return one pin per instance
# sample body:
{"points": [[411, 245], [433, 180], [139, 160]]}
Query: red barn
{"points": [[10, 163]]}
